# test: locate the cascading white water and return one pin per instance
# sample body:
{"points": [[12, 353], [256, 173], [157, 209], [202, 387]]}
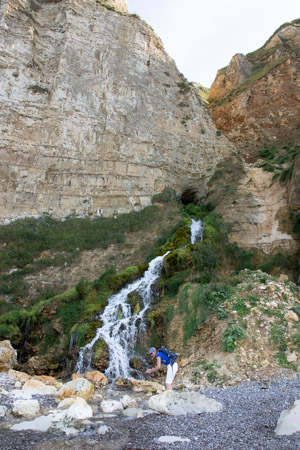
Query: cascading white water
{"points": [[120, 333], [196, 231]]}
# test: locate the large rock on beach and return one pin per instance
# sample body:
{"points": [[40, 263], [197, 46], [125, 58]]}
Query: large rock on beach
{"points": [[26, 408], [146, 386], [36, 387], [76, 388], [80, 410], [111, 406], [289, 420], [51, 381], [97, 378], [18, 376], [182, 403], [8, 356]]}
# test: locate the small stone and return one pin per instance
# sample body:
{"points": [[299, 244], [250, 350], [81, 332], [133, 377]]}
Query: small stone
{"points": [[3, 410], [103, 429], [128, 402], [292, 357], [172, 439], [291, 316], [109, 406]]}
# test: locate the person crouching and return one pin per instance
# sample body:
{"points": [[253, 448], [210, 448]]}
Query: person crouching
{"points": [[162, 358]]}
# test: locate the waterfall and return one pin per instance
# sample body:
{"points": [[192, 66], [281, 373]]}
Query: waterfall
{"points": [[120, 327], [196, 231], [120, 333]]}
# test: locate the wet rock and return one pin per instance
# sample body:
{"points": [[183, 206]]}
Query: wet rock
{"points": [[123, 383], [146, 386], [97, 378], [80, 410], [110, 406], [36, 387], [135, 363], [289, 420], [76, 388], [177, 403], [8, 356], [76, 376], [26, 408]]}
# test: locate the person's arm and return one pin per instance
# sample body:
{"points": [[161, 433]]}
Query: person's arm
{"points": [[157, 367]]}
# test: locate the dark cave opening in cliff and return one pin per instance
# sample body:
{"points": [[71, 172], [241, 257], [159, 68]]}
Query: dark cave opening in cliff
{"points": [[189, 195]]}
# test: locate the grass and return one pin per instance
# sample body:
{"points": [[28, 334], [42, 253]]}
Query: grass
{"points": [[25, 243], [279, 160]]}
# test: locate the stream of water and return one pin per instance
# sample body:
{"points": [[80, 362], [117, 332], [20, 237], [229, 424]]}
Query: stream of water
{"points": [[120, 327]]}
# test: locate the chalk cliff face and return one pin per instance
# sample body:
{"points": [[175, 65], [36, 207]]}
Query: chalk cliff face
{"points": [[255, 100], [95, 117]]}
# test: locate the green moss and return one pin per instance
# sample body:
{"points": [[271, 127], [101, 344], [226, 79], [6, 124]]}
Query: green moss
{"points": [[136, 302], [117, 281], [177, 260], [101, 354]]}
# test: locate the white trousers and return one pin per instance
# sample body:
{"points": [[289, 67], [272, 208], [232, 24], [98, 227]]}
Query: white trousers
{"points": [[171, 372]]}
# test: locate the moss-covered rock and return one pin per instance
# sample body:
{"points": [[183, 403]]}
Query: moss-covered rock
{"points": [[101, 355], [135, 301], [177, 260]]}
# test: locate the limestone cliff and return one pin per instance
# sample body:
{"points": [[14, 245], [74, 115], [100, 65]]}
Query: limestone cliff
{"points": [[95, 117], [255, 100]]}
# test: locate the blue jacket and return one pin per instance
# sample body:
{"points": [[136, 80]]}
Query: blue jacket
{"points": [[164, 358]]}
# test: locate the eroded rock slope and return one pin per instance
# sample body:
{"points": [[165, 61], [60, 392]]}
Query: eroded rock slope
{"points": [[95, 117]]}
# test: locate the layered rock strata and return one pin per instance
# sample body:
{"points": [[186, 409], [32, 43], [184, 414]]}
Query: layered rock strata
{"points": [[95, 117], [255, 100]]}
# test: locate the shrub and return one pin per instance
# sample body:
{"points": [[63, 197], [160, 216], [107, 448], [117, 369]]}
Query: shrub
{"points": [[230, 336], [174, 283], [204, 257]]}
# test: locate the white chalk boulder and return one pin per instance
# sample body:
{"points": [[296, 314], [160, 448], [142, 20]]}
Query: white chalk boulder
{"points": [[79, 387], [289, 420], [110, 406], [80, 410], [36, 387], [26, 408], [182, 403]]}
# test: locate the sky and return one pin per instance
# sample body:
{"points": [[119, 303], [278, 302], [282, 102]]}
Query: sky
{"points": [[203, 35]]}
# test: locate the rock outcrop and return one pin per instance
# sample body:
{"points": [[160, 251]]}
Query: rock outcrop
{"points": [[95, 116], [8, 356], [255, 100]]}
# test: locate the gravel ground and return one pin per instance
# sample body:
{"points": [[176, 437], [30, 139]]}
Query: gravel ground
{"points": [[247, 421]]}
